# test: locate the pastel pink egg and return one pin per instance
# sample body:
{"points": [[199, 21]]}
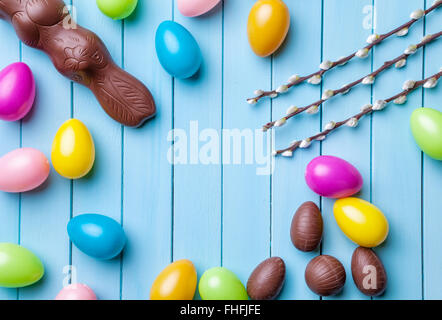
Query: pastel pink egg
{"points": [[17, 91], [333, 177], [23, 170], [194, 8], [76, 291]]}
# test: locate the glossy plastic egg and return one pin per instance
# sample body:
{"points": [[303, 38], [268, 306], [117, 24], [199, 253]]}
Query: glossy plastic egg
{"points": [[97, 236], [177, 50], [333, 177], [361, 222], [194, 8], [176, 282], [117, 9], [17, 91], [426, 126], [76, 291], [73, 150], [23, 170], [221, 284], [19, 267], [269, 22]]}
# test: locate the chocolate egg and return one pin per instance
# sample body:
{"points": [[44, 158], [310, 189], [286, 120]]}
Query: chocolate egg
{"points": [[267, 280], [307, 226], [368, 272], [325, 275]]}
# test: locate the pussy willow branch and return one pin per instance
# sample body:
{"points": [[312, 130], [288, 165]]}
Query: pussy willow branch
{"points": [[369, 78], [315, 78], [400, 98]]}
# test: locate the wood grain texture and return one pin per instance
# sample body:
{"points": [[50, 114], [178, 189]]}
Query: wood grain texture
{"points": [[222, 213], [246, 195], [45, 212], [147, 172], [101, 191], [343, 36], [197, 186], [432, 177], [289, 189], [9, 203], [396, 162]]}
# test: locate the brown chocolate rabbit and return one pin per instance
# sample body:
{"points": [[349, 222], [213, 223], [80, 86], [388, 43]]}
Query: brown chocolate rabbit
{"points": [[80, 55]]}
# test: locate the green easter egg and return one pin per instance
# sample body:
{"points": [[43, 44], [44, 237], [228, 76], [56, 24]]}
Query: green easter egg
{"points": [[19, 267], [426, 126], [221, 284], [117, 9]]}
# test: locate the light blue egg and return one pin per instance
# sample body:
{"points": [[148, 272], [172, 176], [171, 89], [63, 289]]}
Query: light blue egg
{"points": [[97, 236], [177, 50]]}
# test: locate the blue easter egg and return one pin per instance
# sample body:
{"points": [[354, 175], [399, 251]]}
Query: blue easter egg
{"points": [[97, 236], [177, 50]]}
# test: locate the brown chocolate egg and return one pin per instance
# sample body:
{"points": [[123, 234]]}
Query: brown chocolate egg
{"points": [[325, 275], [368, 272], [307, 226], [267, 280]]}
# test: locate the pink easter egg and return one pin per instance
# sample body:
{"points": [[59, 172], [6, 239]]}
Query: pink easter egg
{"points": [[333, 177], [23, 170], [76, 291], [17, 91], [194, 8]]}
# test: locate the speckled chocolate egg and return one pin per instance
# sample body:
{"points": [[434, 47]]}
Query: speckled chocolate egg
{"points": [[368, 272], [325, 275], [307, 226], [267, 280]]}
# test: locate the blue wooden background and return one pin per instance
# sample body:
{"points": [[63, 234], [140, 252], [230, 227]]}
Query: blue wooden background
{"points": [[227, 214]]}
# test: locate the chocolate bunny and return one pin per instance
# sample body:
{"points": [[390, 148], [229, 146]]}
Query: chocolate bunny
{"points": [[80, 55]]}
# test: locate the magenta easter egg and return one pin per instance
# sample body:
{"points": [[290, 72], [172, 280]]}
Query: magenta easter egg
{"points": [[76, 291], [194, 8], [17, 91], [23, 170], [333, 177]]}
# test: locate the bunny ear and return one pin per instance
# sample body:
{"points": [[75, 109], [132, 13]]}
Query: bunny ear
{"points": [[124, 98]]}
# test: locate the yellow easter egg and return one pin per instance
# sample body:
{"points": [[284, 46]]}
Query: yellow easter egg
{"points": [[361, 222], [176, 282], [268, 24], [73, 150]]}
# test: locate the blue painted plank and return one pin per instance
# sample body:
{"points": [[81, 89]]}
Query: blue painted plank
{"points": [[206, 209], [45, 211], [100, 191], [432, 170], [301, 54], [9, 203], [147, 171], [197, 187], [342, 37], [396, 161], [246, 182]]}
